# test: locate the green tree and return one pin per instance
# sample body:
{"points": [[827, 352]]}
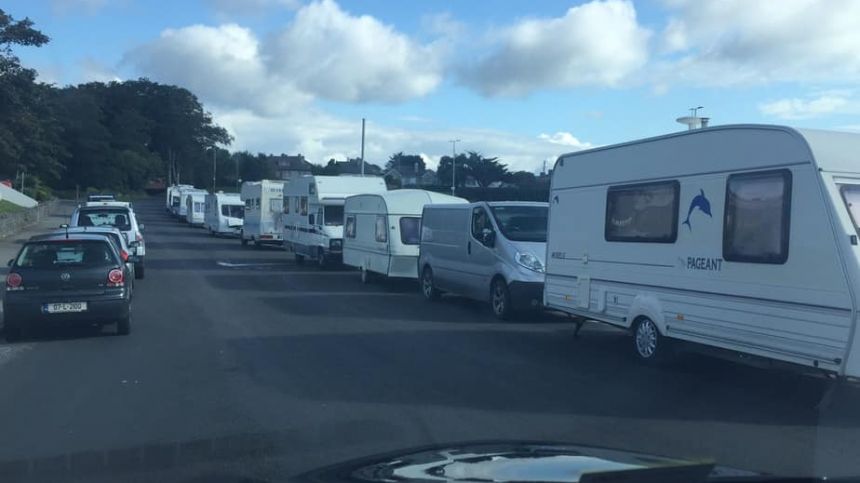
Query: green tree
{"points": [[485, 170], [406, 162]]}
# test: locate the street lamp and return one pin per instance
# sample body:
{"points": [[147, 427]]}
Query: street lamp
{"points": [[213, 168], [454, 165]]}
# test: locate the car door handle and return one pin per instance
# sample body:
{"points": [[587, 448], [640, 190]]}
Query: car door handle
{"points": [[469, 247]]}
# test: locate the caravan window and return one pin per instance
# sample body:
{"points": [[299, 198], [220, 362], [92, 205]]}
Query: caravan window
{"points": [[275, 205], [410, 230], [233, 211], [646, 213], [303, 205], [381, 229], [286, 204], [333, 215], [756, 222], [349, 229], [198, 207], [851, 196]]}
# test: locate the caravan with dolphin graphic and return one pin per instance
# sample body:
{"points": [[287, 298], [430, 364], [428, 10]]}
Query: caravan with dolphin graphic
{"points": [[738, 237]]}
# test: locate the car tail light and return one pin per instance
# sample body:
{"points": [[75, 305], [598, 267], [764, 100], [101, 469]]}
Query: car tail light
{"points": [[138, 237], [14, 281], [116, 278], [124, 255]]}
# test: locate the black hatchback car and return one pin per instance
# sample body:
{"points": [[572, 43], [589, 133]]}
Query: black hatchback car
{"points": [[67, 279]]}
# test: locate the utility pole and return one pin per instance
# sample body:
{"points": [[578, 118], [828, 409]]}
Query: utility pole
{"points": [[362, 146], [454, 166], [214, 152]]}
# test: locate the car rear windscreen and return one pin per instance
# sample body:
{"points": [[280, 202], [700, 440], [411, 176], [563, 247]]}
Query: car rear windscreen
{"points": [[66, 254], [117, 217]]}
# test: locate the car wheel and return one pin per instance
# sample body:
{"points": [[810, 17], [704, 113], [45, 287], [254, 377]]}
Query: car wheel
{"points": [[428, 289], [300, 259], [648, 345], [500, 299], [123, 326], [12, 334], [139, 270]]}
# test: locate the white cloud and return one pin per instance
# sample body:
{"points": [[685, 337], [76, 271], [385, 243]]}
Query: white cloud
{"points": [[598, 43], [823, 104], [335, 55], [728, 42], [564, 139], [77, 6], [222, 65], [320, 136], [92, 70]]}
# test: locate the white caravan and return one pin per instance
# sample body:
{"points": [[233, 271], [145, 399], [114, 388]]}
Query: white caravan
{"points": [[263, 200], [194, 212], [172, 193], [223, 213], [180, 211], [312, 220], [734, 237], [382, 231]]}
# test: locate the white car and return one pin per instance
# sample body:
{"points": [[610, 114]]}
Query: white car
{"points": [[120, 215]]}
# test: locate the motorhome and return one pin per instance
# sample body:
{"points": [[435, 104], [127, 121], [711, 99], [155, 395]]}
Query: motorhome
{"points": [[312, 219], [738, 239], [223, 213], [194, 212], [173, 199], [487, 251], [181, 210], [382, 231], [263, 201]]}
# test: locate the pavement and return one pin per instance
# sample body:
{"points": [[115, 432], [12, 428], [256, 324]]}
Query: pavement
{"points": [[243, 364]]}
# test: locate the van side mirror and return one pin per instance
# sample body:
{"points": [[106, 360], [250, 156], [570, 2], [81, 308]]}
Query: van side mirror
{"points": [[488, 237], [140, 226], [10, 262], [310, 219]]}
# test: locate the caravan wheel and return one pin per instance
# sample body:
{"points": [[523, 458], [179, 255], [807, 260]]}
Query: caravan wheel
{"points": [[366, 275], [242, 238], [649, 345]]}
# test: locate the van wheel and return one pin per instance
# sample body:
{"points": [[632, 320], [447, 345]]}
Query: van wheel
{"points": [[242, 237], [648, 344], [500, 299], [429, 290]]}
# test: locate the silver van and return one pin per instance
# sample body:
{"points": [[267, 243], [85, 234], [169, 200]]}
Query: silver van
{"points": [[492, 251]]}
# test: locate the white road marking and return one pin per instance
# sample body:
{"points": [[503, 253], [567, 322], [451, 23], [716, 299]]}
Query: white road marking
{"points": [[9, 352], [347, 294], [236, 265]]}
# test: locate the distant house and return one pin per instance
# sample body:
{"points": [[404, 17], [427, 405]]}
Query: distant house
{"points": [[288, 167], [408, 176], [501, 184], [429, 178], [352, 167]]}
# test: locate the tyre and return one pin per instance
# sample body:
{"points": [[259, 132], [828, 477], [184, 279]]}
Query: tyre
{"points": [[123, 326], [139, 270], [500, 299], [428, 289], [367, 276], [648, 344], [12, 334], [242, 238], [321, 260], [300, 259]]}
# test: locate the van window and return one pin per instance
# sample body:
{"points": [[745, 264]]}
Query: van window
{"points": [[410, 230], [756, 222], [349, 229], [234, 211], [333, 215], [644, 213], [381, 229], [480, 222], [522, 223]]}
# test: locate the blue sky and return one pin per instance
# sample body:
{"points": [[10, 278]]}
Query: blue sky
{"points": [[524, 81]]}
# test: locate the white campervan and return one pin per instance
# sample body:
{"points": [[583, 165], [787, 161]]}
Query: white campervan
{"points": [[263, 200], [172, 201], [382, 231], [181, 211], [223, 213], [312, 220], [734, 237], [194, 212]]}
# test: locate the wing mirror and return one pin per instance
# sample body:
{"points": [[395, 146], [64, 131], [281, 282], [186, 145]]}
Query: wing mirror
{"points": [[10, 262], [140, 227], [488, 237]]}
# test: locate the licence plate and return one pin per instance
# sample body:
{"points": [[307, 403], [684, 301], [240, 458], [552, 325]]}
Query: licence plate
{"points": [[65, 307]]}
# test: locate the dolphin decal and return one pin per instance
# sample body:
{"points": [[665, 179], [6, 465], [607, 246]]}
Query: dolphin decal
{"points": [[701, 203]]}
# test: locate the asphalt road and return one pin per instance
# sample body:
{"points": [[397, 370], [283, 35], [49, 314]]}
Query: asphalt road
{"points": [[241, 362]]}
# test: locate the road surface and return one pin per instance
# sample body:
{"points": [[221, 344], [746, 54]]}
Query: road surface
{"points": [[242, 363]]}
